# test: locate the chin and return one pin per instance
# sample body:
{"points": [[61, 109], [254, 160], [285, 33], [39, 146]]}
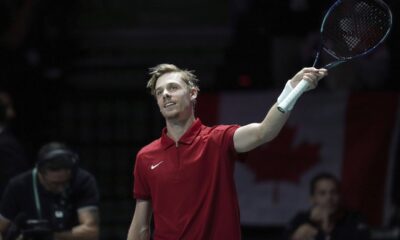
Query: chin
{"points": [[170, 115]]}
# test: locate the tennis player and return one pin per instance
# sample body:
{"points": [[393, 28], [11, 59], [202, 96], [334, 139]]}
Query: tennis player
{"points": [[185, 178]]}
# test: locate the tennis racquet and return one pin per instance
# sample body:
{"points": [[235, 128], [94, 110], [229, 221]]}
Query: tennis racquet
{"points": [[350, 29]]}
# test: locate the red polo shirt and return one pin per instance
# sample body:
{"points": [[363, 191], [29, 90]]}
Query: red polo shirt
{"points": [[190, 184]]}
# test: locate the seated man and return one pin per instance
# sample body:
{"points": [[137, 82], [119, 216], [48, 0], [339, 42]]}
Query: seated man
{"points": [[56, 200], [326, 219]]}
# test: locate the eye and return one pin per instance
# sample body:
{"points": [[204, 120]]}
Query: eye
{"points": [[158, 92]]}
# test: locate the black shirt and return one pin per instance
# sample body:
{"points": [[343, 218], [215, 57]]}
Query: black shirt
{"points": [[59, 209], [349, 226]]}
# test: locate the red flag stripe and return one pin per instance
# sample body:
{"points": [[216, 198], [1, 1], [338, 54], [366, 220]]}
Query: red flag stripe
{"points": [[370, 119]]}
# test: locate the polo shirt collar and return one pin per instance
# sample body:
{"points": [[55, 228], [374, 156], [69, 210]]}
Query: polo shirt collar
{"points": [[187, 138]]}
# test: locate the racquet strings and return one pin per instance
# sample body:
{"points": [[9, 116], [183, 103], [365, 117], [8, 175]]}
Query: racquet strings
{"points": [[355, 27]]}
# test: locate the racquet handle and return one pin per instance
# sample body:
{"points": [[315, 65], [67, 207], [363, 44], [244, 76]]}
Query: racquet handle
{"points": [[288, 103]]}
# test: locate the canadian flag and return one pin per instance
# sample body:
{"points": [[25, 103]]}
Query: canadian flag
{"points": [[351, 135]]}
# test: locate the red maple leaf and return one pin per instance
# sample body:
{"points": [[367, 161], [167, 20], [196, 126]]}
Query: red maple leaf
{"points": [[280, 160]]}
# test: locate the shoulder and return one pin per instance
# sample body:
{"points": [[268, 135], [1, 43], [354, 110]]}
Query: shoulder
{"points": [[221, 134], [83, 174], [21, 179], [223, 127], [353, 217], [353, 223], [82, 177], [297, 220], [19, 184], [150, 148], [154, 145], [219, 129]]}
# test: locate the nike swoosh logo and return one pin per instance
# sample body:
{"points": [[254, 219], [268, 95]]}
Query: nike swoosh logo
{"points": [[156, 165]]}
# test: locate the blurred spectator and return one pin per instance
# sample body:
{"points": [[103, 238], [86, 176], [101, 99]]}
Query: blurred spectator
{"points": [[55, 200], [327, 219], [12, 155]]}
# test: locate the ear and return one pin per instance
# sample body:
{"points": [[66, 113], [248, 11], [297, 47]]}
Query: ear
{"points": [[193, 94]]}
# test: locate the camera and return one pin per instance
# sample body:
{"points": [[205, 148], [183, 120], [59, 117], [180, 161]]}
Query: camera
{"points": [[40, 229], [35, 229]]}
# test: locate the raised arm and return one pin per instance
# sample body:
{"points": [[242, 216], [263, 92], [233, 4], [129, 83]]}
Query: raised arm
{"points": [[140, 226], [253, 135]]}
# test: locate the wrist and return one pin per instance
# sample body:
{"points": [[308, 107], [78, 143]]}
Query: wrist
{"points": [[285, 92]]}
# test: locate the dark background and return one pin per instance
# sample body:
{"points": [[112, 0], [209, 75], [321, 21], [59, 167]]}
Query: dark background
{"points": [[77, 72]]}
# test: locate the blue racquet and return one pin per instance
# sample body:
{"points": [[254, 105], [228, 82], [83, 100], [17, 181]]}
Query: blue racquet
{"points": [[350, 29]]}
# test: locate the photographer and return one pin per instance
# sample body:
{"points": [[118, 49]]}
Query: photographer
{"points": [[56, 200]]}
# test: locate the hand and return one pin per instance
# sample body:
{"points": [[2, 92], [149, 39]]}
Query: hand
{"points": [[305, 232], [319, 214], [322, 215], [311, 75]]}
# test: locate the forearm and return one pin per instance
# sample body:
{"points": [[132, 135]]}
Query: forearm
{"points": [[138, 234], [253, 135], [140, 225], [270, 127], [272, 124], [81, 232]]}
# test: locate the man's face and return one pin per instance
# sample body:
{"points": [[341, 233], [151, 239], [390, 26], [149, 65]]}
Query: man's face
{"points": [[173, 96], [326, 195], [55, 181]]}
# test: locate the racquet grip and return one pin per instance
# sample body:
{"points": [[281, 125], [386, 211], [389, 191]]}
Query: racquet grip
{"points": [[288, 103]]}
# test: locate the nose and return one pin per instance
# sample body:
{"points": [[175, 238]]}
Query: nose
{"points": [[166, 94]]}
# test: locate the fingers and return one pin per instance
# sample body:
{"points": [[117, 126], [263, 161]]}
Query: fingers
{"points": [[311, 75], [314, 75]]}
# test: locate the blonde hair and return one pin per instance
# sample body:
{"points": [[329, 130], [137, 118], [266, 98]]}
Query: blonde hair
{"points": [[186, 75]]}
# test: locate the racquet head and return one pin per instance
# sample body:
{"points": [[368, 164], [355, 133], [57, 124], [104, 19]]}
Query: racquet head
{"points": [[350, 29], [353, 28]]}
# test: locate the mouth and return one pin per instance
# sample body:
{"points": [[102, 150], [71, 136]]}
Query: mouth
{"points": [[168, 104]]}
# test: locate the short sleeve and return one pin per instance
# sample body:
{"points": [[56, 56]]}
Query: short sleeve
{"points": [[227, 132], [87, 193], [141, 188], [230, 132]]}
